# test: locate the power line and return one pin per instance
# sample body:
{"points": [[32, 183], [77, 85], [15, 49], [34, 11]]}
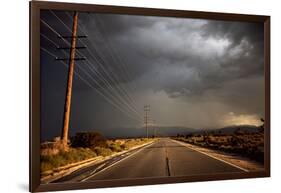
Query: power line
{"points": [[113, 98], [90, 85], [121, 89], [116, 58], [130, 98], [121, 61], [113, 78], [97, 83], [49, 39], [47, 52], [63, 38], [55, 32]]}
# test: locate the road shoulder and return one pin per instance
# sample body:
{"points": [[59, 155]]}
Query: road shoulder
{"points": [[242, 163], [64, 171]]}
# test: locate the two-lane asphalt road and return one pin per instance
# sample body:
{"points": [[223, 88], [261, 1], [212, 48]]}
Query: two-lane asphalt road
{"points": [[165, 157]]}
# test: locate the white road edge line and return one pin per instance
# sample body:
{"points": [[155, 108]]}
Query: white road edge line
{"points": [[184, 144], [116, 162], [97, 168]]}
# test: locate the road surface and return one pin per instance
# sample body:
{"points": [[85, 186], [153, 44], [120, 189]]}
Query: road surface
{"points": [[165, 157]]}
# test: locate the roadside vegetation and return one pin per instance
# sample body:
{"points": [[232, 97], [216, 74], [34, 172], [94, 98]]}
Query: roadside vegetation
{"points": [[83, 146], [247, 144]]}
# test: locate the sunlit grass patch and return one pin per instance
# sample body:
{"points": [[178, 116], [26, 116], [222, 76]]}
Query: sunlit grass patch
{"points": [[49, 162]]}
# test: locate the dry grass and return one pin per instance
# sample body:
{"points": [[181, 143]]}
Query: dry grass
{"points": [[62, 158], [250, 145], [52, 157]]}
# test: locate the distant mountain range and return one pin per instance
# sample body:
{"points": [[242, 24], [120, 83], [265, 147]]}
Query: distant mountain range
{"points": [[141, 132], [164, 131], [231, 129], [172, 131], [243, 128]]}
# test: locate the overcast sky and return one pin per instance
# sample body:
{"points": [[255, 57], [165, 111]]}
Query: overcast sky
{"points": [[192, 72]]}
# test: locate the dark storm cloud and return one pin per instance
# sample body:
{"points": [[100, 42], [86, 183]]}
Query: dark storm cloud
{"points": [[236, 31], [246, 44], [191, 57], [215, 51]]}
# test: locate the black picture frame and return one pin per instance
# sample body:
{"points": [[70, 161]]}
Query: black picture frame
{"points": [[36, 6]]}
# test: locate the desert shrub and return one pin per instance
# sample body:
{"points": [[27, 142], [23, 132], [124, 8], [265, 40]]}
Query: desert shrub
{"points": [[123, 146], [52, 147], [115, 147], [131, 143], [127, 145], [88, 139], [188, 135], [103, 151]]}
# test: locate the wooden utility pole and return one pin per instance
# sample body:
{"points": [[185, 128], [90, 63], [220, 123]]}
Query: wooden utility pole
{"points": [[64, 136], [146, 110], [154, 128]]}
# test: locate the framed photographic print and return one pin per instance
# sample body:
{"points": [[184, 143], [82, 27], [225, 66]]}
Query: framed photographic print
{"points": [[123, 96]]}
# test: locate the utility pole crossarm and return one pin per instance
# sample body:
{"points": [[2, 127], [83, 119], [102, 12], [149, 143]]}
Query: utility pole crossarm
{"points": [[71, 37], [66, 59], [68, 48]]}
